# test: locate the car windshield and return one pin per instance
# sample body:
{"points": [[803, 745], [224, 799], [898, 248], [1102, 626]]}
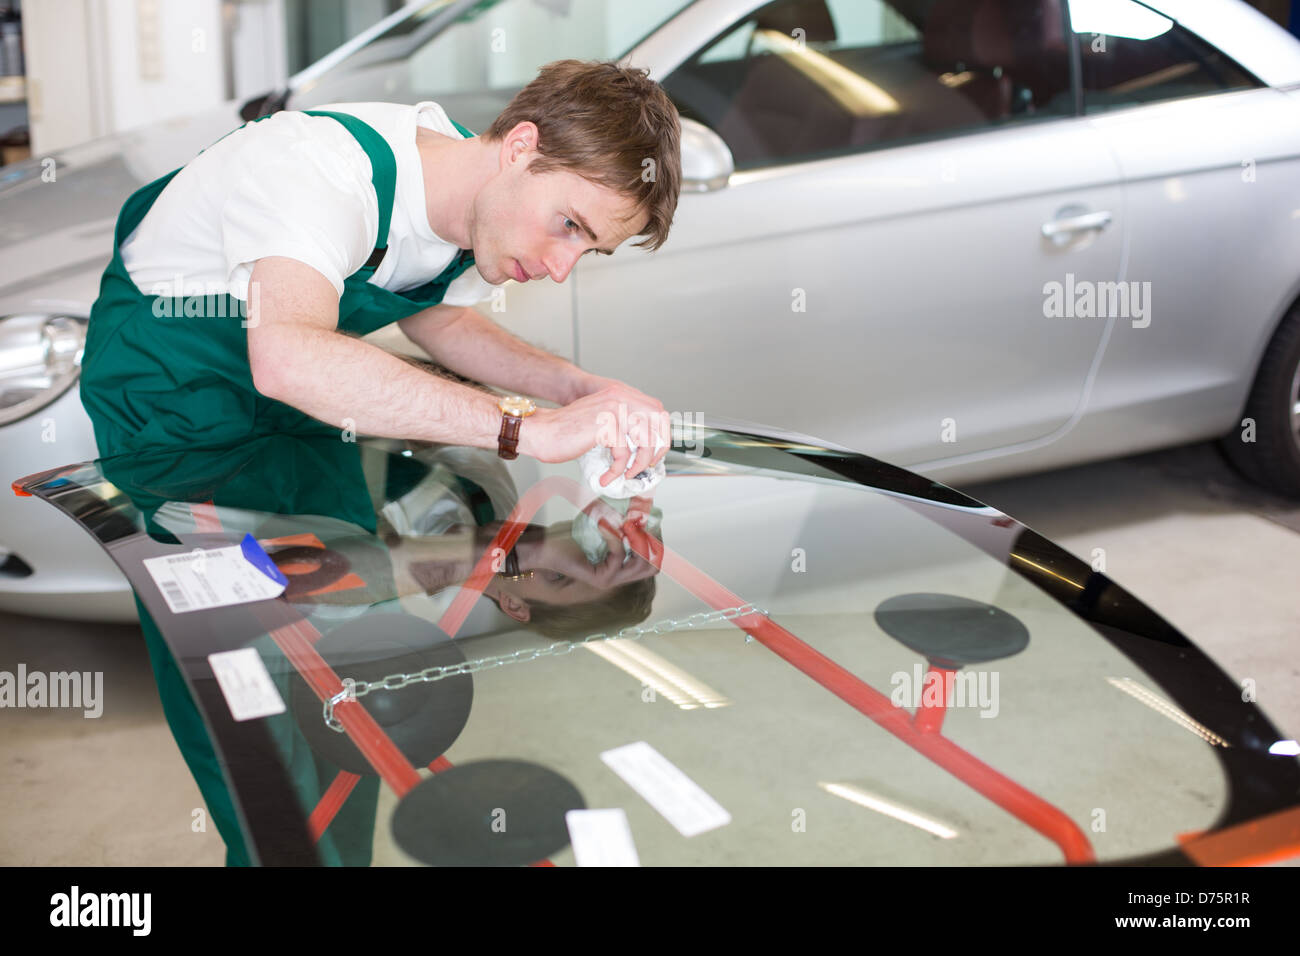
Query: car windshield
{"points": [[473, 65], [767, 621]]}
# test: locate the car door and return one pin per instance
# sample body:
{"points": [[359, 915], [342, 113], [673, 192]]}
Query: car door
{"points": [[876, 272], [1210, 157]]}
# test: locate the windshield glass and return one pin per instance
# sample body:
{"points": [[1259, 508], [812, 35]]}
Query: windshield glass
{"points": [[780, 623], [474, 64]]}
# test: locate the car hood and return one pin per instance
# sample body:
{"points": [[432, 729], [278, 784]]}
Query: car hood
{"points": [[799, 630], [57, 211]]}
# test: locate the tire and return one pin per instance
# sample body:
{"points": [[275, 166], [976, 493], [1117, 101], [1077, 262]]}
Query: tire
{"points": [[1273, 458]]}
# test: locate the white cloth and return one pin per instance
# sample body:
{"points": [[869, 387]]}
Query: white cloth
{"points": [[586, 532], [597, 461], [297, 186]]}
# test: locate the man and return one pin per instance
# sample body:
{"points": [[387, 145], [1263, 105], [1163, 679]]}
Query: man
{"points": [[307, 230], [281, 222]]}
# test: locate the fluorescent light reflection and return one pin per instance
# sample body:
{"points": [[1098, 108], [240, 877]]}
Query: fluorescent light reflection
{"points": [[654, 671], [863, 798], [1165, 709]]}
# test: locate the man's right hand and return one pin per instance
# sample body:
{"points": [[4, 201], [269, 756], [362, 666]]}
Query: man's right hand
{"points": [[606, 417]]}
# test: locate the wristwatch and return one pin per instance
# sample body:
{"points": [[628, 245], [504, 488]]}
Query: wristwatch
{"points": [[483, 537], [512, 572], [514, 409]]}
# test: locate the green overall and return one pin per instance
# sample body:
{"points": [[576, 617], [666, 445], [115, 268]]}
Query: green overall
{"points": [[173, 372]]}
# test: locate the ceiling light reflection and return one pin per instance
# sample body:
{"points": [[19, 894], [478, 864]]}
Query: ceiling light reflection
{"points": [[1165, 709], [654, 671], [871, 801]]}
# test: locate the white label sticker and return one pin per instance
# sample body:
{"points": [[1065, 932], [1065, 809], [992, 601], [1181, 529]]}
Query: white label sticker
{"points": [[676, 796], [215, 577], [601, 838], [247, 686]]}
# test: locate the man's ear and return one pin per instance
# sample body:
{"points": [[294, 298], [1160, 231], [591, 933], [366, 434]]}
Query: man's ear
{"points": [[519, 142], [515, 607]]}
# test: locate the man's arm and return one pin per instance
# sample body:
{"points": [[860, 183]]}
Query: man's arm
{"points": [[467, 342], [298, 357]]}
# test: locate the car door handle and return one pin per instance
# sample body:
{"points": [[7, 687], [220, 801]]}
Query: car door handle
{"points": [[1059, 228]]}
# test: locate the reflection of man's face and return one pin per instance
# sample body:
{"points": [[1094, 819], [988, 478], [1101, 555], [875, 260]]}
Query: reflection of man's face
{"points": [[545, 586], [562, 574]]}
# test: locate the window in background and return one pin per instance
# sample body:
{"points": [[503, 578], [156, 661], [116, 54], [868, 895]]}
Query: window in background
{"points": [[315, 27], [475, 64], [800, 79], [1130, 54]]}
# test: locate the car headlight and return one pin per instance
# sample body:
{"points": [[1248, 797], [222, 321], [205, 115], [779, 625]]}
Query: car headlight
{"points": [[40, 359]]}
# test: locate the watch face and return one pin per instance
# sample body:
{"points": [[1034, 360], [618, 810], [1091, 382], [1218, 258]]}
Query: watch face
{"points": [[515, 405]]}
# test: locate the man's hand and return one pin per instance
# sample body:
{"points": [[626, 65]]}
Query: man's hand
{"points": [[584, 383], [605, 417]]}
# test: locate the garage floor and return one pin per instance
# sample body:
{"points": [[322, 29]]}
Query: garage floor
{"points": [[1209, 552]]}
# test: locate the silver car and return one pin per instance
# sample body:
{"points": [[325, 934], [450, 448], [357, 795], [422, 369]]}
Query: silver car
{"points": [[973, 237]]}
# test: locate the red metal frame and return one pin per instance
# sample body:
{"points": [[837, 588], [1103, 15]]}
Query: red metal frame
{"points": [[929, 717]]}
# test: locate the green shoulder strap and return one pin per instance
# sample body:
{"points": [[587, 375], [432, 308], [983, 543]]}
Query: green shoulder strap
{"points": [[383, 173]]}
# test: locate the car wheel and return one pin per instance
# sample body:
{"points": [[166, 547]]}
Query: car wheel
{"points": [[1273, 458]]}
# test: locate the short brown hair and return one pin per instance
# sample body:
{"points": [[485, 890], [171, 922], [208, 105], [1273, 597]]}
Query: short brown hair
{"points": [[624, 606], [603, 122]]}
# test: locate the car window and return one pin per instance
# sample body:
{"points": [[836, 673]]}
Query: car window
{"points": [[491, 50], [1131, 54], [799, 79]]}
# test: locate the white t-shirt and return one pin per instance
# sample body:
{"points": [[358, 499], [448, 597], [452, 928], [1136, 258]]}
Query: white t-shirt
{"points": [[297, 186]]}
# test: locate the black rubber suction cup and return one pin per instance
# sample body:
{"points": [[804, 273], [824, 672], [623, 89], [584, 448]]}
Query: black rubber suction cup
{"points": [[951, 631], [487, 813]]}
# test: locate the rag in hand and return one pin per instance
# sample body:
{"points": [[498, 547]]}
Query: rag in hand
{"points": [[597, 461]]}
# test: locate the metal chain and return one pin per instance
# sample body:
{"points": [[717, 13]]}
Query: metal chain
{"points": [[352, 689]]}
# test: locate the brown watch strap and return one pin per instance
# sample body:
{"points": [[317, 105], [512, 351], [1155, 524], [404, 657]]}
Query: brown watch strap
{"points": [[508, 440]]}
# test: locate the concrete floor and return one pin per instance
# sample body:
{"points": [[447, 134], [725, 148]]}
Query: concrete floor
{"points": [[1211, 553], [1214, 555]]}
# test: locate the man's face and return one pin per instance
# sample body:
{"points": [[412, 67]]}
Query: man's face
{"points": [[525, 226]]}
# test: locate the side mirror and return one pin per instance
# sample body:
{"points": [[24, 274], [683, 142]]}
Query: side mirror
{"points": [[706, 161]]}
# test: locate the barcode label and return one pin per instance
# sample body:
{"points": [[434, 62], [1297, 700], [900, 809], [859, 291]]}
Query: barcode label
{"points": [[245, 683], [175, 596], [201, 579]]}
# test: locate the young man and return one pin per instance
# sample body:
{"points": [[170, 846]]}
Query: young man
{"points": [[309, 229]]}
